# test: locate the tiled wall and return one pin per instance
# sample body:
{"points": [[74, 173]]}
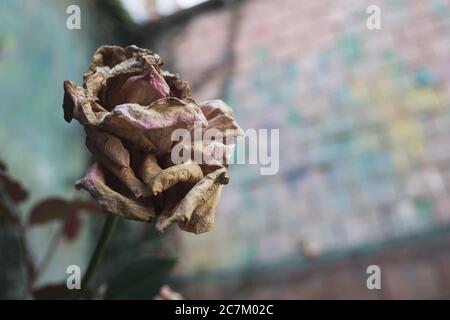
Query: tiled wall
{"points": [[364, 118]]}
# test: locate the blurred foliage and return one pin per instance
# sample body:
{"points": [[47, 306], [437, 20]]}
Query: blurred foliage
{"points": [[136, 272], [141, 279], [116, 25]]}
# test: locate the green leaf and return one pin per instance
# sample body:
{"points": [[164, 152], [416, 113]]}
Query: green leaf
{"points": [[141, 279]]}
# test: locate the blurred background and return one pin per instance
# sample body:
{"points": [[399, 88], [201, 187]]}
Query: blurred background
{"points": [[364, 119]]}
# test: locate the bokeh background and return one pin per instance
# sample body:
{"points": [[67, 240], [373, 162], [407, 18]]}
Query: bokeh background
{"points": [[364, 119]]}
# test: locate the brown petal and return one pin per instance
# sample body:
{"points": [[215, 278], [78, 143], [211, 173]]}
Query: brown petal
{"points": [[151, 126], [110, 152], [113, 67], [144, 88], [136, 80], [220, 116], [171, 197], [164, 113], [196, 197], [179, 88], [110, 56], [186, 172], [108, 145], [72, 96], [111, 201], [149, 168], [95, 82], [202, 219], [132, 132], [79, 105], [210, 154], [126, 176]]}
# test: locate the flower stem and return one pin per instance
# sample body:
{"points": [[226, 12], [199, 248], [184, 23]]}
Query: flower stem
{"points": [[107, 230], [51, 250]]}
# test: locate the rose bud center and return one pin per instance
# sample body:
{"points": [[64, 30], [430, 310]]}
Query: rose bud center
{"points": [[145, 88]]}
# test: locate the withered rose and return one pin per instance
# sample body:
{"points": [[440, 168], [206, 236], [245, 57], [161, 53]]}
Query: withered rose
{"points": [[129, 108]]}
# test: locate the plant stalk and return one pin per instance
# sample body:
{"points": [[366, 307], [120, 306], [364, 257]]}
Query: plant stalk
{"points": [[51, 250], [107, 230]]}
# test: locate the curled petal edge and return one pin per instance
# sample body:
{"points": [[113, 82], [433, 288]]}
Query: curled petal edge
{"points": [[201, 193], [110, 200]]}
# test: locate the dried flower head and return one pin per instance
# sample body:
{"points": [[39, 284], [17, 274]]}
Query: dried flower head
{"points": [[129, 108]]}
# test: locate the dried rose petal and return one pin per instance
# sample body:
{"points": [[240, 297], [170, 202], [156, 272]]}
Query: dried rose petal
{"points": [[178, 87], [186, 172], [220, 116], [110, 200], [148, 168], [129, 108], [201, 193], [145, 88], [151, 127], [110, 56], [202, 219]]}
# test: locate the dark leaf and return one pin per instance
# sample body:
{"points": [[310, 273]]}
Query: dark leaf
{"points": [[88, 206], [8, 212], [55, 292], [54, 209], [141, 279], [72, 226], [6, 217], [50, 209], [13, 188]]}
